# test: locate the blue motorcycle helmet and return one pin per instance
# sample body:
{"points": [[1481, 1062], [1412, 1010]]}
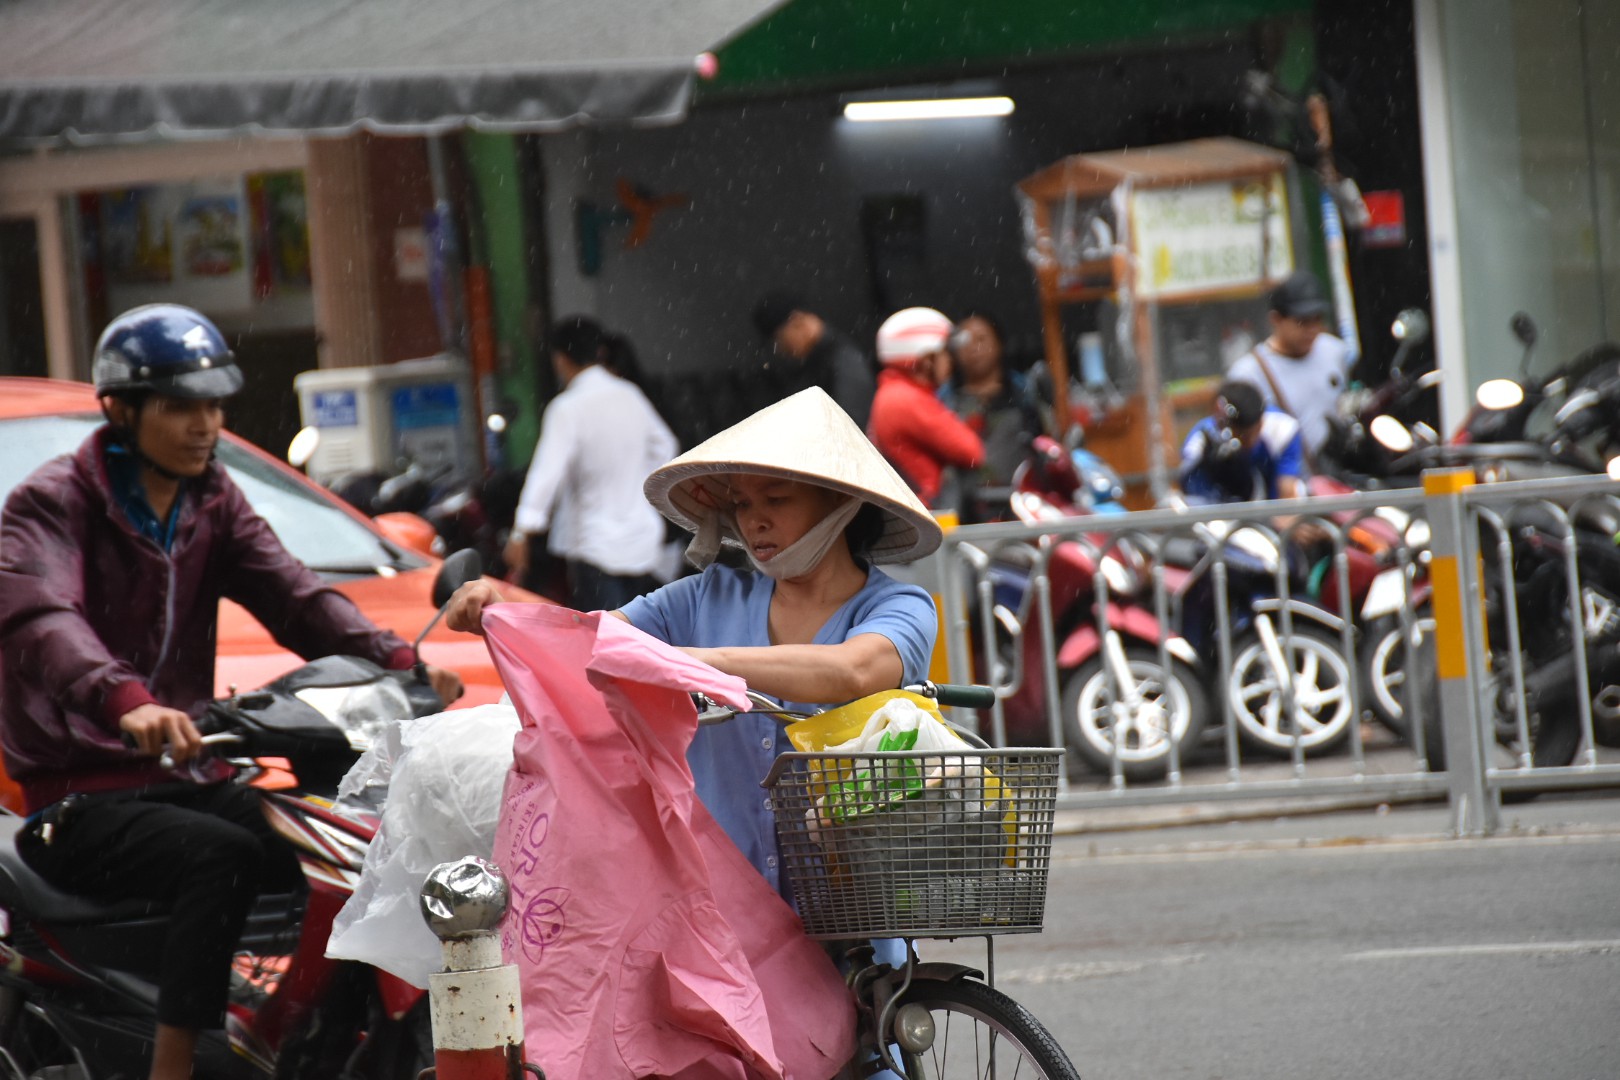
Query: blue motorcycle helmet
{"points": [[164, 349]]}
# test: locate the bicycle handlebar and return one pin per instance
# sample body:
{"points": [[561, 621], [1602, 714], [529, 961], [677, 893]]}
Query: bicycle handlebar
{"points": [[948, 694], [966, 697]]}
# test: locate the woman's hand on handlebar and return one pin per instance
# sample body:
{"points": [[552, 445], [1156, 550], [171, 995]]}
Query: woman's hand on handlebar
{"points": [[155, 729], [466, 608]]}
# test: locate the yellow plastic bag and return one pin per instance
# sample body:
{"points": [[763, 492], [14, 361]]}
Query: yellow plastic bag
{"points": [[843, 789]]}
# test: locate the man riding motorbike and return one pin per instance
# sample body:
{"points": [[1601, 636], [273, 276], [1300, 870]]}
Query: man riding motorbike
{"points": [[113, 561]]}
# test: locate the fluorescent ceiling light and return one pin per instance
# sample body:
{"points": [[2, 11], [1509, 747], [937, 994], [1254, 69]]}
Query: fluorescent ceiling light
{"points": [[929, 109]]}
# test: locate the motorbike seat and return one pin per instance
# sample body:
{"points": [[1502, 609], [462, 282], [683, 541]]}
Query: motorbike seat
{"points": [[1182, 552], [22, 888]]}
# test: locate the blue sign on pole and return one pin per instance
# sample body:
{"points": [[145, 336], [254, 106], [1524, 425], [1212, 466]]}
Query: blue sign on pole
{"points": [[336, 408]]}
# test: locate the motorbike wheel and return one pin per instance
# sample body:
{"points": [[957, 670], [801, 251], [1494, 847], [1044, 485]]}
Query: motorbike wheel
{"points": [[1175, 710], [1555, 738], [1322, 706], [1381, 659]]}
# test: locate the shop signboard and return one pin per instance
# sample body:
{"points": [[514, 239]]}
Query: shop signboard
{"points": [[1212, 237]]}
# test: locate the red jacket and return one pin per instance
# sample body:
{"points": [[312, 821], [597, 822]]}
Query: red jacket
{"points": [[920, 436], [96, 619]]}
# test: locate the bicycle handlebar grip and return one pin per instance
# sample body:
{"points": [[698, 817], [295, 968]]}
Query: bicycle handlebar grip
{"points": [[967, 697]]}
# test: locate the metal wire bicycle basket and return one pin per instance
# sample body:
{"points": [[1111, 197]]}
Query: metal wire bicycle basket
{"points": [[917, 844]]}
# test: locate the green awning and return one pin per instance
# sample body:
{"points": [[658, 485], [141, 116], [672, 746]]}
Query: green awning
{"points": [[809, 44]]}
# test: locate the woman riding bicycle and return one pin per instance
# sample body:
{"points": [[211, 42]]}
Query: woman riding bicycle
{"points": [[810, 620]]}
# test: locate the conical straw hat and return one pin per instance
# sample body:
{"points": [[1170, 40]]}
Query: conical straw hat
{"points": [[805, 437]]}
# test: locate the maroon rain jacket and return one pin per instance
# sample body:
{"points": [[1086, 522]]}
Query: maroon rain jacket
{"points": [[96, 619]]}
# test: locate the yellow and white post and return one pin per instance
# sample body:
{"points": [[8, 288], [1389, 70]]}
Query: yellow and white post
{"points": [[1460, 651]]}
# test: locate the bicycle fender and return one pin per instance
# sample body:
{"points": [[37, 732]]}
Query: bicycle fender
{"points": [[397, 995], [941, 972]]}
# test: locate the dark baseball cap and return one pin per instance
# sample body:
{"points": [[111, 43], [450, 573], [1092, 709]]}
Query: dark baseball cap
{"points": [[1239, 403], [1300, 297]]}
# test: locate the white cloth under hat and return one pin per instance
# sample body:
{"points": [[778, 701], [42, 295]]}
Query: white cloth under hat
{"points": [[808, 438]]}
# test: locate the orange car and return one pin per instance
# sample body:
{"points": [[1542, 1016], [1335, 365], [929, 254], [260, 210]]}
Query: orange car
{"points": [[371, 562]]}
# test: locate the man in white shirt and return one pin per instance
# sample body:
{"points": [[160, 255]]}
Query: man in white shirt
{"points": [[1300, 368], [599, 440]]}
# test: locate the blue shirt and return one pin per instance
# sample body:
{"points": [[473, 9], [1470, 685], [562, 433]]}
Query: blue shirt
{"points": [[1243, 476], [129, 491], [723, 607]]}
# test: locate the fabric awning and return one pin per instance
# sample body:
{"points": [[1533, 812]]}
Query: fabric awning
{"points": [[96, 71]]}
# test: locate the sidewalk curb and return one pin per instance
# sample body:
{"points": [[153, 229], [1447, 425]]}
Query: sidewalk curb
{"points": [[1083, 822]]}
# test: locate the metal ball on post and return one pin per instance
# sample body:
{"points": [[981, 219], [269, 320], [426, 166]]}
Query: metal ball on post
{"points": [[476, 1003]]}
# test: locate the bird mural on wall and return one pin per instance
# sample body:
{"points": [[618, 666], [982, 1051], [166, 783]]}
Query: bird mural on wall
{"points": [[637, 207]]}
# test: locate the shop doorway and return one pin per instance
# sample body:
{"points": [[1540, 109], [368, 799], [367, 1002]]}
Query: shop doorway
{"points": [[22, 307]]}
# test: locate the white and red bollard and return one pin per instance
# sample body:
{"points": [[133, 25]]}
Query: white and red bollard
{"points": [[477, 1006]]}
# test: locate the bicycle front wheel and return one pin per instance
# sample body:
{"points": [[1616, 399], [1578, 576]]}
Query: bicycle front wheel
{"points": [[983, 1034]]}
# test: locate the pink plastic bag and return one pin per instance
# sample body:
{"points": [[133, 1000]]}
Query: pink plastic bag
{"points": [[646, 943]]}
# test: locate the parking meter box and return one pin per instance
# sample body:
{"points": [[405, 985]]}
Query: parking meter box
{"points": [[380, 417]]}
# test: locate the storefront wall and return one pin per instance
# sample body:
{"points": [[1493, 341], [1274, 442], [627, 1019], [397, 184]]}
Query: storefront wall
{"points": [[336, 294], [1524, 97], [774, 196]]}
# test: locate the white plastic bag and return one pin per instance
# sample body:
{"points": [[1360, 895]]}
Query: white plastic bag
{"points": [[891, 726], [443, 776]]}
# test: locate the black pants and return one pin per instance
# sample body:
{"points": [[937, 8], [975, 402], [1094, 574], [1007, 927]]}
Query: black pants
{"points": [[203, 851], [590, 588]]}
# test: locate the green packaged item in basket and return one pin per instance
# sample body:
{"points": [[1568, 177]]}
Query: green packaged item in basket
{"points": [[869, 790], [864, 787]]}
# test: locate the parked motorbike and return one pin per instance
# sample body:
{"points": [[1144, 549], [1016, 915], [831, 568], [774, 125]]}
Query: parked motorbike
{"points": [[1544, 631], [1351, 452], [78, 992], [465, 515], [1118, 698], [1289, 678]]}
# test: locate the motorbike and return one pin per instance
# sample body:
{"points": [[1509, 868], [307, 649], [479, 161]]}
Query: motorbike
{"points": [[78, 992], [463, 514], [1385, 448], [1351, 453], [1288, 677], [1585, 428], [1546, 683], [1118, 696]]}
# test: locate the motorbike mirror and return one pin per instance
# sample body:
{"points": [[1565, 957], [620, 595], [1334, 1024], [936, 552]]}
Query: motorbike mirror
{"points": [[1498, 394], [1524, 328], [303, 447], [1391, 434], [1411, 327], [460, 568]]}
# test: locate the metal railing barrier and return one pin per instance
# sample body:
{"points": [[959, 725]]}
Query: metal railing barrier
{"points": [[1455, 639]]}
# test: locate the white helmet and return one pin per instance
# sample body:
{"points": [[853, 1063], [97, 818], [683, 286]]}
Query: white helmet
{"points": [[911, 334]]}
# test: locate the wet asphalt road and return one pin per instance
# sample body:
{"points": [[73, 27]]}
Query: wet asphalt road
{"points": [[1350, 945]]}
